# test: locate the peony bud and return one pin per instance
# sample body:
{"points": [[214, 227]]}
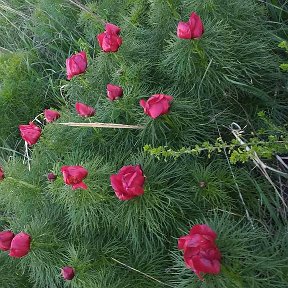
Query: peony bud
{"points": [[76, 64], [68, 273], [30, 133], [114, 92], [111, 28], [196, 25], [109, 40], [20, 245], [128, 183], [51, 177], [184, 31], [192, 29], [84, 110], [73, 175], [5, 240], [201, 253], [51, 115], [156, 105]]}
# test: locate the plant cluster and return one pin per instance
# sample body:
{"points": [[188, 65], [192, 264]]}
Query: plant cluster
{"points": [[265, 144]]}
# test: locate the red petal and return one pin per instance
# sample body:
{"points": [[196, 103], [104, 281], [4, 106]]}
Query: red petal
{"points": [[184, 30], [142, 103], [74, 174], [126, 170], [114, 91], [20, 245], [135, 191], [203, 229], [84, 110], [79, 185], [181, 241], [30, 133], [100, 38], [111, 28], [80, 60], [116, 183], [51, 115], [68, 273], [168, 97], [196, 25], [155, 110], [5, 240], [206, 266]]}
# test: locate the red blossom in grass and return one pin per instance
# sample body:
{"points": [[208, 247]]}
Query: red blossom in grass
{"points": [[128, 182], [109, 40], [201, 253], [74, 175], [192, 29], [84, 110], [2, 175], [30, 133], [51, 115], [67, 273], [156, 105], [114, 92], [76, 64], [20, 245], [5, 240]]}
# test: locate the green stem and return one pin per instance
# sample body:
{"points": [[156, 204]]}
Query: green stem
{"points": [[44, 245], [23, 183]]}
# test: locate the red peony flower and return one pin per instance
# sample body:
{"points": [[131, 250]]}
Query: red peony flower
{"points": [[5, 240], [84, 110], [73, 175], [76, 64], [51, 115], [114, 92], [110, 41], [2, 175], [192, 29], [201, 254], [51, 177], [20, 245], [30, 133], [156, 105], [128, 183], [68, 273]]}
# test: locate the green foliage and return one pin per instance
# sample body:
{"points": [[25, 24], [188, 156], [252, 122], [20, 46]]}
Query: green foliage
{"points": [[237, 152], [23, 93], [8, 271], [265, 143], [284, 45], [278, 10]]}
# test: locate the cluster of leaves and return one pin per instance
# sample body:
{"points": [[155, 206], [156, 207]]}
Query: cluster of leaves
{"points": [[134, 243], [22, 93], [284, 45]]}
